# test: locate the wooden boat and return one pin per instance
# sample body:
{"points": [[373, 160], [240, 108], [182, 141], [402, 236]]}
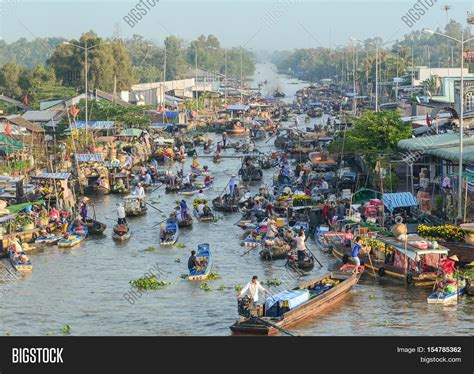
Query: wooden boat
{"points": [[209, 217], [310, 299], [95, 227], [225, 204], [134, 205], [171, 233], [446, 298], [50, 239], [187, 222], [305, 265], [203, 255], [18, 265], [194, 190], [301, 225], [390, 265], [74, 237], [250, 174], [274, 253], [121, 232], [464, 251]]}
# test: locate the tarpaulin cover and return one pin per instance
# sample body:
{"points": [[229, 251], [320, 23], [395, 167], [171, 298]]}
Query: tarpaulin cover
{"points": [[88, 157], [399, 200], [292, 298], [54, 176]]}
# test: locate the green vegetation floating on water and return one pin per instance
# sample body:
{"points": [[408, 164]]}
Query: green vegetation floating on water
{"points": [[8, 333], [221, 288], [205, 287], [272, 282], [67, 329], [148, 283], [180, 245], [213, 276], [238, 287], [150, 249]]}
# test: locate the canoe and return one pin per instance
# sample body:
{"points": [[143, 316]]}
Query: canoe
{"points": [[172, 229], [203, 255], [47, 240], [445, 298], [194, 191], [121, 233], [289, 308], [18, 265], [73, 239]]}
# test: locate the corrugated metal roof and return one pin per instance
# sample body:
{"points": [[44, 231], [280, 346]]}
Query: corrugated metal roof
{"points": [[88, 157], [53, 176], [95, 125], [41, 115], [399, 200], [131, 132]]}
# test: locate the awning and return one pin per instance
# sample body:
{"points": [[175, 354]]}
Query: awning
{"points": [[399, 200], [445, 146], [238, 107], [93, 125], [89, 157], [131, 132], [53, 176]]}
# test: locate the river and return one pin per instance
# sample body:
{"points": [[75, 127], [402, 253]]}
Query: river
{"points": [[84, 287]]}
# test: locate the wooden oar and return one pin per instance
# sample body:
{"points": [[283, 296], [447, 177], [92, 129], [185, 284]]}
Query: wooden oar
{"points": [[248, 251], [161, 185], [154, 207], [312, 254], [372, 265], [267, 323]]}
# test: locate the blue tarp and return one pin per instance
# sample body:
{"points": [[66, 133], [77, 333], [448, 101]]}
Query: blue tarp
{"points": [[291, 298], [95, 125], [238, 107], [399, 200], [89, 157]]}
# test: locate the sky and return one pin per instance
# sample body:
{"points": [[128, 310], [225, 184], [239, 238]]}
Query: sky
{"points": [[265, 24]]}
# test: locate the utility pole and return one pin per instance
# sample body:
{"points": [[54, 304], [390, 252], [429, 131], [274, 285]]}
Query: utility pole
{"points": [[225, 78], [241, 75]]}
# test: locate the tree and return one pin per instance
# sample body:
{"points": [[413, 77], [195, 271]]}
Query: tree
{"points": [[374, 133], [10, 80]]}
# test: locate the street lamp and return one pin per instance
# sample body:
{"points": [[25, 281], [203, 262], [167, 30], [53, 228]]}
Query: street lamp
{"points": [[86, 49], [461, 114], [377, 48]]}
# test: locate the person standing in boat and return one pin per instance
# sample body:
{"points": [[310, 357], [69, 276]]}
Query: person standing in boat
{"points": [[218, 149], [139, 190], [232, 185], [184, 210], [224, 139], [300, 246], [252, 288], [121, 220], [357, 247], [84, 211]]}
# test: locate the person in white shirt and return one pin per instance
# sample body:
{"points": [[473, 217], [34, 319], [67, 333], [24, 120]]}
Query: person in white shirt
{"points": [[139, 190], [121, 214], [324, 184], [300, 246], [252, 288], [200, 208]]}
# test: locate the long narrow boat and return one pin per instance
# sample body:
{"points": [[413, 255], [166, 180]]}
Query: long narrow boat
{"points": [[50, 239], [121, 232], [274, 252], [171, 233], [391, 265], [25, 267], [225, 204], [289, 308], [74, 238], [203, 255]]}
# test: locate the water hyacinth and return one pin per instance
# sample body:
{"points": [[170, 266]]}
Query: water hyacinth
{"points": [[148, 283]]}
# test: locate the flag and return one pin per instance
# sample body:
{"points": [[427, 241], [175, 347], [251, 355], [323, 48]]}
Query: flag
{"points": [[25, 100], [8, 129], [73, 111], [428, 122]]}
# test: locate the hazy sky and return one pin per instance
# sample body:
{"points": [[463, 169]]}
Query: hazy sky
{"points": [[264, 24]]}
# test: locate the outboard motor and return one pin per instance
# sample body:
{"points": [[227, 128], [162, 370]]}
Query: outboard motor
{"points": [[244, 306]]}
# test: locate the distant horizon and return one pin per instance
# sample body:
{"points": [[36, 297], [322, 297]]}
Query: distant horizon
{"points": [[263, 25]]}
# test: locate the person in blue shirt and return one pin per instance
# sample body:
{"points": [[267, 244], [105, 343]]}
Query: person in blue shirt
{"points": [[184, 210], [357, 247]]}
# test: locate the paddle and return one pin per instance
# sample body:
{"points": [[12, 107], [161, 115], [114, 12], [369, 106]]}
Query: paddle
{"points": [[248, 251], [312, 254], [161, 185], [154, 207], [267, 323], [370, 260]]}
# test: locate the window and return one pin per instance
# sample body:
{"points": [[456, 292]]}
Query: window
{"points": [[469, 102]]}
